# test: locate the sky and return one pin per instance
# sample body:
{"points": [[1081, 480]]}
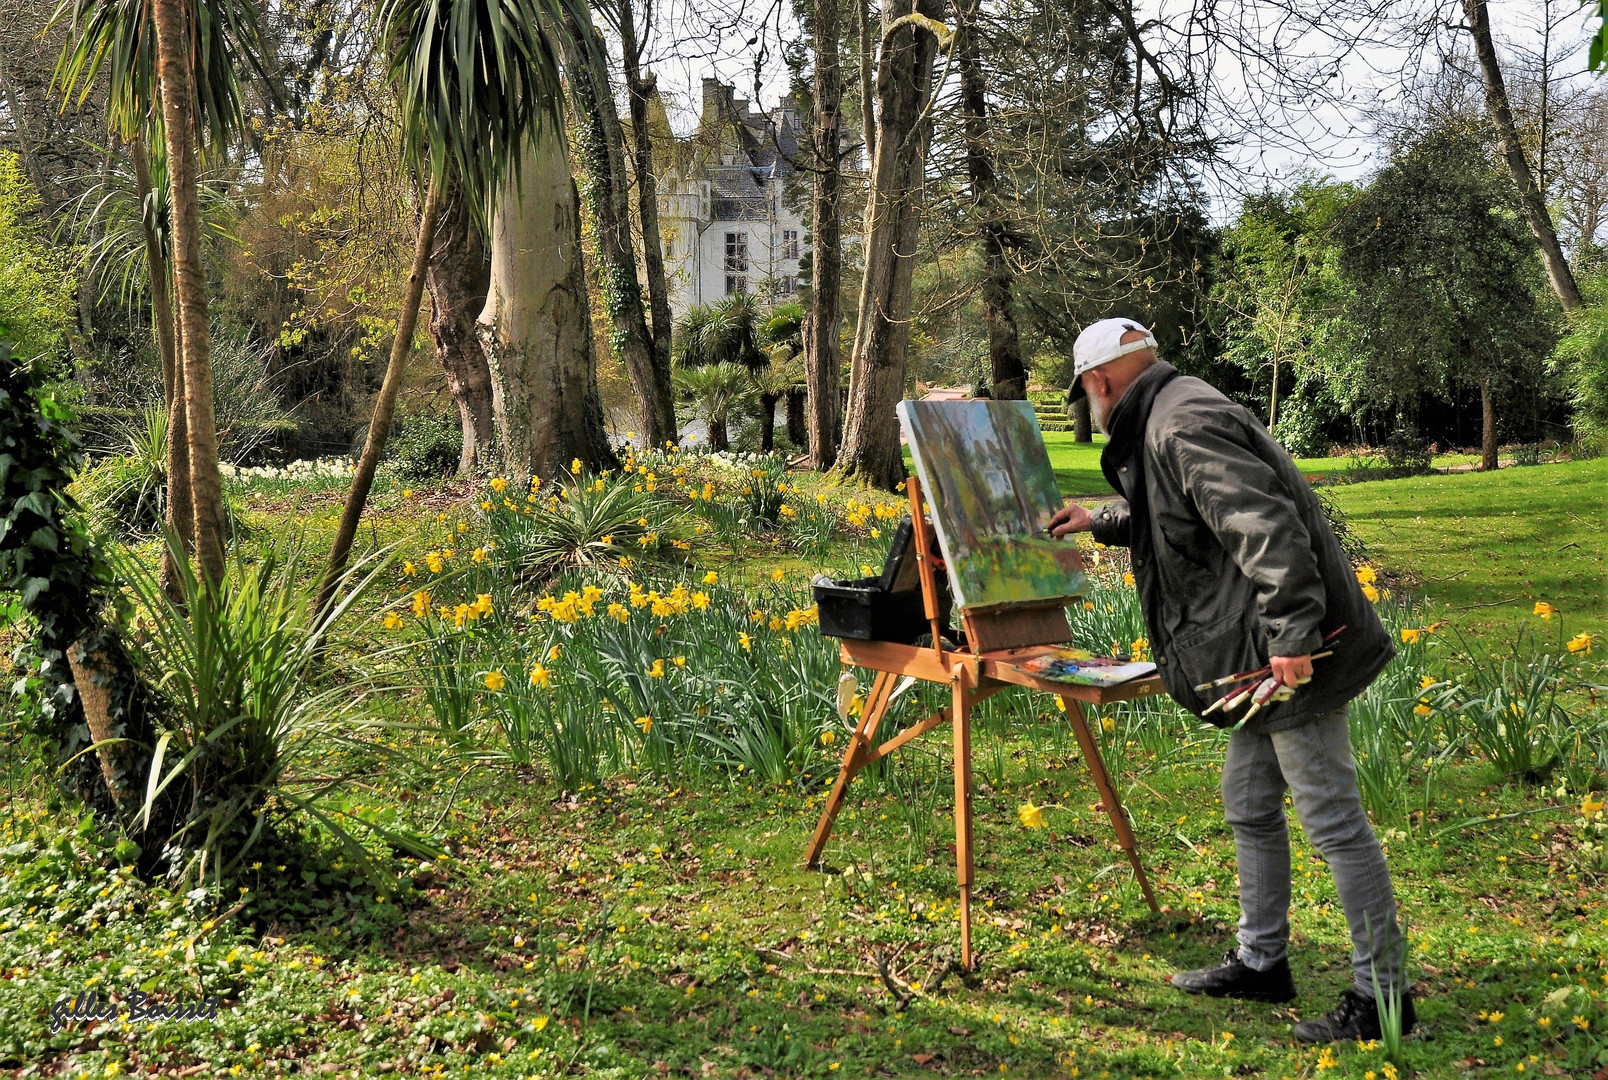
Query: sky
{"points": [[1272, 129]]}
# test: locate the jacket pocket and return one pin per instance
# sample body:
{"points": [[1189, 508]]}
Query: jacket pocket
{"points": [[1226, 646]]}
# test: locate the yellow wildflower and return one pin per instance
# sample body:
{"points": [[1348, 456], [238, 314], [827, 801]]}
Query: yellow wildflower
{"points": [[1590, 806], [1127, 579], [407, 493]]}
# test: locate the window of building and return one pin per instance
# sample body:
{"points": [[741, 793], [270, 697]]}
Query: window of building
{"points": [[736, 283], [736, 257], [789, 243]]}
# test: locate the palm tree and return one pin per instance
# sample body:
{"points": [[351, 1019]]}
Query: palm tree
{"points": [[716, 390], [476, 80], [145, 47]]}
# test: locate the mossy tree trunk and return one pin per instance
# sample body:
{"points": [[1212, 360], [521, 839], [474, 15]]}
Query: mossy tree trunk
{"points": [[600, 146], [870, 450], [458, 278]]}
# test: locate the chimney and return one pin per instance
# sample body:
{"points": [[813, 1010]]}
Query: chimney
{"points": [[716, 98]]}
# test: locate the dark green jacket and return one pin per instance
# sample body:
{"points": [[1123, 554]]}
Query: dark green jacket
{"points": [[1232, 556]]}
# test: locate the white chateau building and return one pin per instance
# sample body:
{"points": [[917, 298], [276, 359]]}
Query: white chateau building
{"points": [[723, 209]]}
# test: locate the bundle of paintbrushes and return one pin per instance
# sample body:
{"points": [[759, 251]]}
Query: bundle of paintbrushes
{"points": [[1259, 687]]}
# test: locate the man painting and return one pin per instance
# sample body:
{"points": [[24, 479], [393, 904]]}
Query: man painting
{"points": [[1236, 568]]}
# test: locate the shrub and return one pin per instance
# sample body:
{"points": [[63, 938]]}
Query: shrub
{"points": [[127, 492], [427, 449], [609, 519], [247, 715]]}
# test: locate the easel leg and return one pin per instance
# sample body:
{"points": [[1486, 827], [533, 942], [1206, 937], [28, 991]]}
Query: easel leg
{"points": [[1108, 796], [876, 703], [963, 818]]}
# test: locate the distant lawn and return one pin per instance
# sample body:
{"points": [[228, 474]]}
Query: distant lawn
{"points": [[1479, 548], [1482, 548]]}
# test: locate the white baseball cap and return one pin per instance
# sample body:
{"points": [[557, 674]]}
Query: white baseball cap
{"points": [[1101, 343]]}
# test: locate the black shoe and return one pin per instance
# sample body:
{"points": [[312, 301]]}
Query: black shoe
{"points": [[1356, 1017], [1234, 979]]}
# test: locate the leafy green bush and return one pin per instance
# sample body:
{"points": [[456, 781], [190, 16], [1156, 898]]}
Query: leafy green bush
{"points": [[249, 719], [609, 519], [427, 449], [1581, 356]]}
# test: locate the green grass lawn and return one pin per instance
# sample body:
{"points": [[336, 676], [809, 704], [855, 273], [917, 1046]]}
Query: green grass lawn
{"points": [[665, 928], [1478, 548], [1481, 548]]}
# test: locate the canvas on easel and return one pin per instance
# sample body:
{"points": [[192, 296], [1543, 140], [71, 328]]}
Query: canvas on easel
{"points": [[987, 476]]}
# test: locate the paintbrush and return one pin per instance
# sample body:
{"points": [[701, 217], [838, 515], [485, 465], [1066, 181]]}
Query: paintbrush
{"points": [[1252, 676], [1227, 680]]}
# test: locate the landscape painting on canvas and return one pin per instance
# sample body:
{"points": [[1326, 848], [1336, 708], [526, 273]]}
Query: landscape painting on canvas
{"points": [[986, 475]]}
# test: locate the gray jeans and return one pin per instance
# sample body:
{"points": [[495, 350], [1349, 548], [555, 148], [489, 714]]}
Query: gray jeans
{"points": [[1314, 760]]}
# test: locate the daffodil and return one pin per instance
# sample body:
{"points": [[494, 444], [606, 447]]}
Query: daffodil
{"points": [[421, 604], [1544, 609], [393, 621], [495, 681], [1366, 575], [408, 569], [645, 723], [540, 676], [828, 738], [1032, 816], [1581, 643], [1371, 593], [499, 484], [657, 670], [745, 641]]}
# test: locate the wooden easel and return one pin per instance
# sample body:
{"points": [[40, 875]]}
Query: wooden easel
{"points": [[995, 643]]}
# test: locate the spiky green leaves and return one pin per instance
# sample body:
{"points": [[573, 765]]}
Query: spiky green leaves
{"points": [[119, 37], [474, 78]]}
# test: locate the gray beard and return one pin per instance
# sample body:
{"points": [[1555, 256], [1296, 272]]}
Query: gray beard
{"points": [[1099, 412]]}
